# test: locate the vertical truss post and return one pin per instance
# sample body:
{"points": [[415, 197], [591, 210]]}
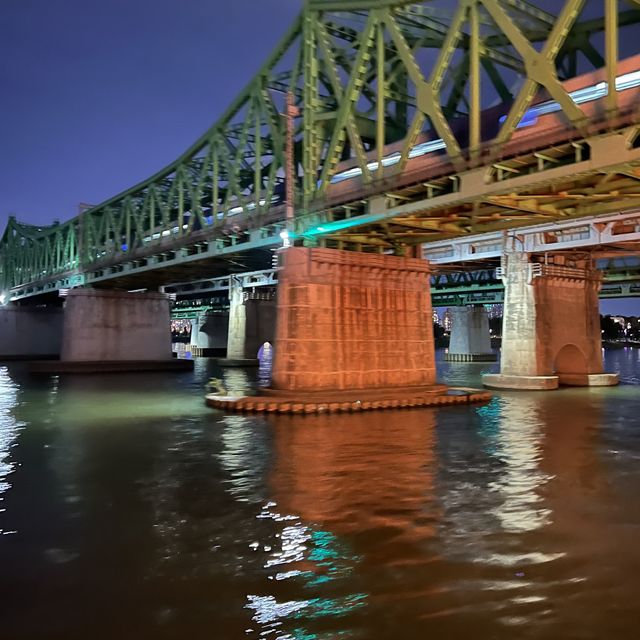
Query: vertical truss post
{"points": [[152, 211], [58, 241], [215, 181], [180, 178], [257, 163], [290, 114], [81, 244], [380, 118], [310, 125], [72, 245], [474, 80], [611, 51]]}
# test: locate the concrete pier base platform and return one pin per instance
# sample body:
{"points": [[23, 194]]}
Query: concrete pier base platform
{"points": [[471, 357], [109, 366], [202, 352], [589, 379], [531, 383], [275, 401], [546, 383]]}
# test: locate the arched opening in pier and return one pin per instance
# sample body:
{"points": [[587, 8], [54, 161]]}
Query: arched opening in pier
{"points": [[570, 359]]}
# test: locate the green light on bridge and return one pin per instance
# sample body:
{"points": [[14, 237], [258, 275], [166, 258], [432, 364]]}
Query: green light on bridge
{"points": [[339, 225]]}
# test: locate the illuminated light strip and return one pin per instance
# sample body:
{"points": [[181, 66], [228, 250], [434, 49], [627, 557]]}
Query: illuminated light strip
{"points": [[427, 147], [579, 96], [628, 81], [339, 225]]}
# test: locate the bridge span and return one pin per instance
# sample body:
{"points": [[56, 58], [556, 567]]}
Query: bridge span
{"points": [[405, 126]]}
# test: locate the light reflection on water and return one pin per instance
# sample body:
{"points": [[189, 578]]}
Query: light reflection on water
{"points": [[518, 446], [309, 558], [9, 430], [519, 518]]}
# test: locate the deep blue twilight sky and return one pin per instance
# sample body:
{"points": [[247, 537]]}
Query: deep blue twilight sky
{"points": [[96, 95]]}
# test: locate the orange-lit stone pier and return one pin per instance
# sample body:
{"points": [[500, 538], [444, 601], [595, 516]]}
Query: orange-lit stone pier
{"points": [[354, 332]]}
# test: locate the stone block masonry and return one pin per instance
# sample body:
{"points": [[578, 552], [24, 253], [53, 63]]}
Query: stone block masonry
{"points": [[551, 326], [349, 320]]}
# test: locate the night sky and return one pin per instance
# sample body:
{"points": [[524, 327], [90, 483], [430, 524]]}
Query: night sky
{"points": [[97, 95]]}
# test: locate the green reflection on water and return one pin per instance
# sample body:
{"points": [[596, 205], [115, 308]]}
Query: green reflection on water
{"points": [[322, 607], [332, 556]]}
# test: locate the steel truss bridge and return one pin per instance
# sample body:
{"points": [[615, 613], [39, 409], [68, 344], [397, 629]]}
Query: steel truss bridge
{"points": [[417, 122]]}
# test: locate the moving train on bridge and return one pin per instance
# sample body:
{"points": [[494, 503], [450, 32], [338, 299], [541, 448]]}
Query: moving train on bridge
{"points": [[542, 125]]}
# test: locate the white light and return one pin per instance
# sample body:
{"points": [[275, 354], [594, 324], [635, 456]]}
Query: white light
{"points": [[628, 81], [286, 242], [427, 147], [387, 161], [3, 298]]}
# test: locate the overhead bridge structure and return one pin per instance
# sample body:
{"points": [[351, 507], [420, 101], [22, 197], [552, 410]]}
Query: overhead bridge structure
{"points": [[407, 123]]}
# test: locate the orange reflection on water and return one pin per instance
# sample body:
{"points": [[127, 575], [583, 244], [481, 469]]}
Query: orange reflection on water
{"points": [[365, 472]]}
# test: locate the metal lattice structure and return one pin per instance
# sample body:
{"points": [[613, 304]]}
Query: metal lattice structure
{"points": [[372, 80]]}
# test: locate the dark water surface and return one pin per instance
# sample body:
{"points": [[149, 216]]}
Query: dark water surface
{"points": [[130, 510]]}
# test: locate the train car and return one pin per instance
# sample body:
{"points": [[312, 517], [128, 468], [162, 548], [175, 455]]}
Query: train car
{"points": [[542, 125]]}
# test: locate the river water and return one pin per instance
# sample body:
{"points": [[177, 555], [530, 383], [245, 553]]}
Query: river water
{"points": [[128, 509]]}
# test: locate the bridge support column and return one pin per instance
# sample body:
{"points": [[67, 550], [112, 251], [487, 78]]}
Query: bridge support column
{"points": [[261, 310], [551, 326], [115, 331], [237, 333], [28, 333], [470, 338], [209, 334], [350, 321], [354, 332]]}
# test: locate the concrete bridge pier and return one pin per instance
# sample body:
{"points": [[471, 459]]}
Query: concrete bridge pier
{"points": [[352, 322], [29, 333], [551, 326], [470, 337], [252, 320], [106, 330], [209, 334], [237, 335], [354, 332]]}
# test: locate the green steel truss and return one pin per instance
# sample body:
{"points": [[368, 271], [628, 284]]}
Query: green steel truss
{"points": [[365, 74]]}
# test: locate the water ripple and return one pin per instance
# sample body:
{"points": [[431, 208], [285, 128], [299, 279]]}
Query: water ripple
{"points": [[9, 431]]}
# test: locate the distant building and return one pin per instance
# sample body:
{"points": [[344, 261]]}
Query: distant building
{"points": [[494, 310]]}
